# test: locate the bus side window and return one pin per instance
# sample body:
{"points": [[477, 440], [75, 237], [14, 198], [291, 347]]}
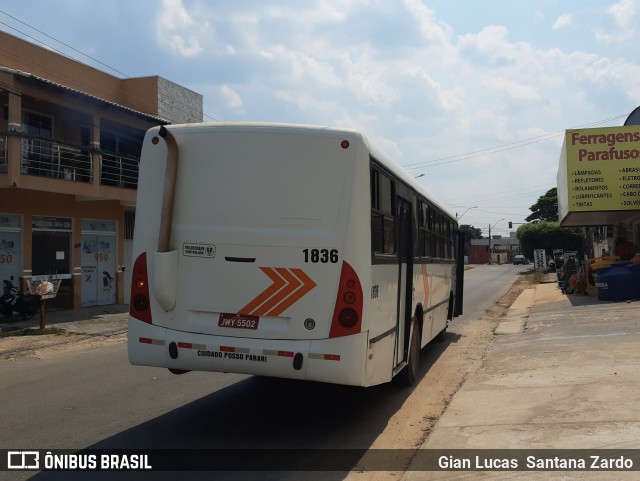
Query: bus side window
{"points": [[383, 238], [423, 235]]}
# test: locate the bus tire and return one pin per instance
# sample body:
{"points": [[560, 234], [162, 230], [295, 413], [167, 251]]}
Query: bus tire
{"points": [[451, 307], [409, 375]]}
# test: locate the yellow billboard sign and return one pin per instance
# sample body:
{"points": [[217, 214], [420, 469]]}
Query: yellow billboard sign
{"points": [[600, 170]]}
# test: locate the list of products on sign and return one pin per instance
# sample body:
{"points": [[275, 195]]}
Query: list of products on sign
{"points": [[603, 169]]}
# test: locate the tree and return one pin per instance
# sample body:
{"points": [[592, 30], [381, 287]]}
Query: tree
{"points": [[470, 232], [546, 209], [550, 236]]}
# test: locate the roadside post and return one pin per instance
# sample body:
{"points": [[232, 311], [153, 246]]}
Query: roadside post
{"points": [[44, 289]]}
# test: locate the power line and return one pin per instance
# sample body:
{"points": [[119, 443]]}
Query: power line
{"points": [[180, 106], [502, 148], [491, 196], [60, 42]]}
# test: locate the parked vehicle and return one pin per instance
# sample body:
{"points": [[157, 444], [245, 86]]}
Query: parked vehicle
{"points": [[519, 259], [14, 301]]}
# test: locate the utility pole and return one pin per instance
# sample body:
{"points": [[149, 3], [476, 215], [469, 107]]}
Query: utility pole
{"points": [[500, 220], [489, 243]]}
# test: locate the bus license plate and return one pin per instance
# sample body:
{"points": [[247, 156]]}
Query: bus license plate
{"points": [[238, 321]]}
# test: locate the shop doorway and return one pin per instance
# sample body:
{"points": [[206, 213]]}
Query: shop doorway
{"points": [[51, 256], [98, 286]]}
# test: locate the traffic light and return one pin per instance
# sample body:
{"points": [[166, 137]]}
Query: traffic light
{"points": [[510, 224]]}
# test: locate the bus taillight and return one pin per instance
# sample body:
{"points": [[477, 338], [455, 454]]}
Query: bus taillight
{"points": [[139, 307], [347, 316]]}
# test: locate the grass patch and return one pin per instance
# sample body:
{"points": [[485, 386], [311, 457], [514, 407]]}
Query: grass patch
{"points": [[530, 277], [32, 332], [535, 277]]}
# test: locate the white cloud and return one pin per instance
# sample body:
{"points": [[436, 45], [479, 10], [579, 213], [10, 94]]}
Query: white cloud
{"points": [[178, 28], [625, 20], [623, 12], [231, 98], [449, 100], [563, 21], [187, 47], [514, 89], [492, 42], [433, 30]]}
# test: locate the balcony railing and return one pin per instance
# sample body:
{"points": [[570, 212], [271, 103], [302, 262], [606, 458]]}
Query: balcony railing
{"points": [[119, 171], [61, 161]]}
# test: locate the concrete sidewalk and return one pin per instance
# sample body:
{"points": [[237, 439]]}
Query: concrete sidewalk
{"points": [[562, 373]]}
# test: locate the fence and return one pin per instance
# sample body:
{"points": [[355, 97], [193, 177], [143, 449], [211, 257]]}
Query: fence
{"points": [[60, 161]]}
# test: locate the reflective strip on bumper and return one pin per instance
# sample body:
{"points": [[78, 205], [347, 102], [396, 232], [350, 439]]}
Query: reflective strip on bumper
{"points": [[269, 352], [325, 357], [244, 350], [189, 345], [241, 350], [146, 340]]}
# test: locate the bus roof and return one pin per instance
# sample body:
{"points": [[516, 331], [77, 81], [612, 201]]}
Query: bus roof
{"points": [[378, 154]]}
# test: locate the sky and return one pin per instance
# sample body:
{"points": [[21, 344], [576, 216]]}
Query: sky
{"points": [[471, 97]]}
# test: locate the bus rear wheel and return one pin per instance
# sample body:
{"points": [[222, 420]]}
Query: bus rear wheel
{"points": [[409, 375]]}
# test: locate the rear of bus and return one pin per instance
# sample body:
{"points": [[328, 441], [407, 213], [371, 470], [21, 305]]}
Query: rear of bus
{"points": [[258, 276]]}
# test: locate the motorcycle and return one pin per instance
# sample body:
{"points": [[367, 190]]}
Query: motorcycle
{"points": [[14, 301]]}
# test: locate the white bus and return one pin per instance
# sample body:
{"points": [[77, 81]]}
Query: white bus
{"points": [[288, 251]]}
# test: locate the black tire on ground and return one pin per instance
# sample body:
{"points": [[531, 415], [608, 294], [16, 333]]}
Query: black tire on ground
{"points": [[409, 375]]}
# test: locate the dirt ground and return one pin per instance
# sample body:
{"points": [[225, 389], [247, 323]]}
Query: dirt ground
{"points": [[48, 345]]}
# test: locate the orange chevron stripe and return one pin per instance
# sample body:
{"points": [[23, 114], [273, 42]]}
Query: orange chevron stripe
{"points": [[292, 283], [278, 283], [306, 285], [288, 287]]}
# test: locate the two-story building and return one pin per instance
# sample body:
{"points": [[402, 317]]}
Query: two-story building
{"points": [[70, 142]]}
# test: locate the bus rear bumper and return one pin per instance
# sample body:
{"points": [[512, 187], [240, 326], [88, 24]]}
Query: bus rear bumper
{"points": [[339, 360]]}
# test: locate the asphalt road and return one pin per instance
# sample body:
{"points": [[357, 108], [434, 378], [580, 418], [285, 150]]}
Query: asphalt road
{"points": [[483, 286], [90, 397]]}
